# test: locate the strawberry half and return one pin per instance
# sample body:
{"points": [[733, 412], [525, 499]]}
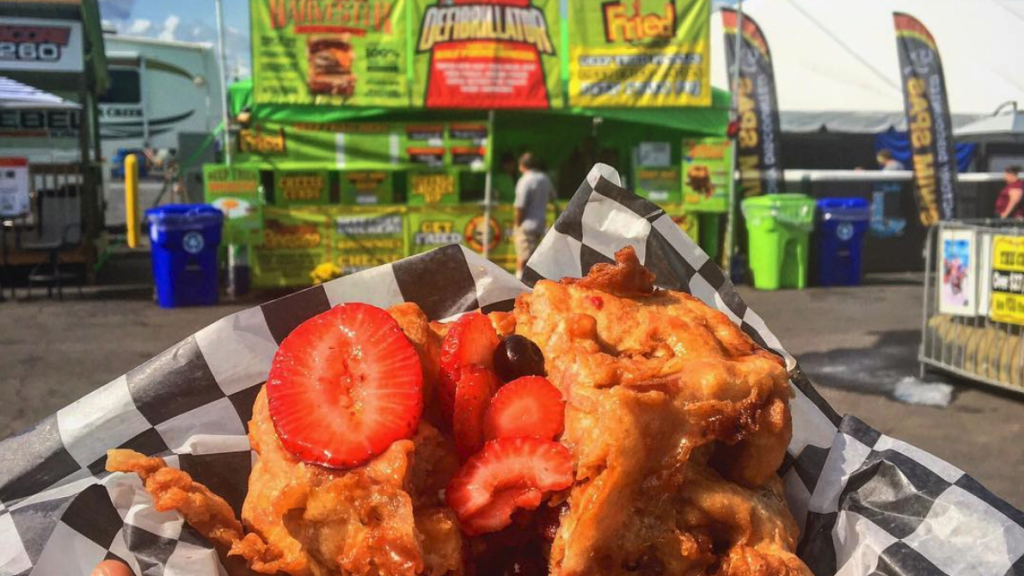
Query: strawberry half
{"points": [[525, 407], [470, 340], [345, 385], [506, 475], [473, 393]]}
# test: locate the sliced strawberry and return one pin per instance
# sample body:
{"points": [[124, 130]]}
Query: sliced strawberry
{"points": [[345, 385], [525, 407], [473, 393], [506, 475], [470, 340]]}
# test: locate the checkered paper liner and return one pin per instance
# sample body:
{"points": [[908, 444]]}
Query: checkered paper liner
{"points": [[866, 503]]}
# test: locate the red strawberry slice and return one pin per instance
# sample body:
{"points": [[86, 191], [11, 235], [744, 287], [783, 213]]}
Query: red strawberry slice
{"points": [[527, 406], [507, 474], [345, 385], [470, 340], [473, 393]]}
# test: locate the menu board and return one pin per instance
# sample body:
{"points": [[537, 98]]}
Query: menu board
{"points": [[433, 188], [658, 184], [330, 52], [1007, 280], [367, 145], [367, 187], [639, 53], [14, 187], [706, 181], [368, 237], [296, 187]]}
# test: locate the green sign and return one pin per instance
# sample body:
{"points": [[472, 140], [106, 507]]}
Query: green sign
{"points": [[367, 146], [368, 237], [366, 187], [639, 53], [433, 188], [235, 191], [294, 243], [330, 52], [486, 54], [706, 180], [298, 187], [688, 222], [658, 184]]}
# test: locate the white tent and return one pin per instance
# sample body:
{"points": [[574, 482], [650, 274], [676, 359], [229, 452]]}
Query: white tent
{"points": [[836, 65], [15, 95]]}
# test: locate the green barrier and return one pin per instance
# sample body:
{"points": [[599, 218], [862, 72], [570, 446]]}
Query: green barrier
{"points": [[778, 229]]}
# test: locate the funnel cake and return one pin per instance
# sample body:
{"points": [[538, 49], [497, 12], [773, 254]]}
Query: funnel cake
{"points": [[677, 422]]}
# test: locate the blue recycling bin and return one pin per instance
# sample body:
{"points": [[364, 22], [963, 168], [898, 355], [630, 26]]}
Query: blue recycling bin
{"points": [[842, 224], [184, 240]]}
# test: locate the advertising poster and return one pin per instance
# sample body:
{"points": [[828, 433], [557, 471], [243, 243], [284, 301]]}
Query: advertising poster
{"points": [[367, 187], [295, 241], [303, 187], [330, 52], [235, 191], [41, 44], [433, 227], [1007, 279], [14, 187], [362, 146], [759, 141], [658, 184], [928, 120], [486, 54], [706, 181], [433, 188], [958, 273], [639, 53], [364, 238]]}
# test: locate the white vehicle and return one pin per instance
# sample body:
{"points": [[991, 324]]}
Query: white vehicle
{"points": [[158, 90]]}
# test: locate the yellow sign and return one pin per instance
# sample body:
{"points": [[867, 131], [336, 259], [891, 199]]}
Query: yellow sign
{"points": [[433, 188], [1007, 281]]}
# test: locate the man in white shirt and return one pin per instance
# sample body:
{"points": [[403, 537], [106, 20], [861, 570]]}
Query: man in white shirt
{"points": [[533, 192]]}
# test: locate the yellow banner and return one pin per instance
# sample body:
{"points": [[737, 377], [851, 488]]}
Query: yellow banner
{"points": [[1007, 281]]}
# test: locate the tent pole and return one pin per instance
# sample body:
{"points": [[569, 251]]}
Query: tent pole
{"points": [[488, 193], [730, 218], [223, 81]]}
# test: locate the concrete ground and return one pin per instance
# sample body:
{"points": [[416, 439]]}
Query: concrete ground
{"points": [[854, 343]]}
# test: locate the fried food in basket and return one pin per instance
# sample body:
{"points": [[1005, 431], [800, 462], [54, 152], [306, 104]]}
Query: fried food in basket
{"points": [[604, 427], [677, 423]]}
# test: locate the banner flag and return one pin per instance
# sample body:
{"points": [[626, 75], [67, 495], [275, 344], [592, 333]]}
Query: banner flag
{"points": [[928, 120], [759, 145]]}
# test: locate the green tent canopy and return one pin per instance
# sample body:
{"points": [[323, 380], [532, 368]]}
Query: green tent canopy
{"points": [[711, 121]]}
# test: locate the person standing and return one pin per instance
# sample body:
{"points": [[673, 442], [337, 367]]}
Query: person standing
{"points": [[533, 192], [886, 163], [1009, 204]]}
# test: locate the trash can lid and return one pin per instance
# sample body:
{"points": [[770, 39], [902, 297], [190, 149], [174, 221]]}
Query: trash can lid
{"points": [[180, 213], [843, 204]]}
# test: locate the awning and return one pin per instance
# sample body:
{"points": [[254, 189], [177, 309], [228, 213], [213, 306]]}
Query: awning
{"points": [[18, 96], [1007, 128]]}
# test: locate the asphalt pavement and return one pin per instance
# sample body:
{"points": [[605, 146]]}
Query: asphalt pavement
{"points": [[854, 343]]}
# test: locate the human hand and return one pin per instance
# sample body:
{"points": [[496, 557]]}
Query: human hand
{"points": [[111, 568]]}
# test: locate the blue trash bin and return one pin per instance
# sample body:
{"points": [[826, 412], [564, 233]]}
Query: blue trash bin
{"points": [[842, 224], [184, 240]]}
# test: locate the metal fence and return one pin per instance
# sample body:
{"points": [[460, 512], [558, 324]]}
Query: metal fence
{"points": [[970, 346]]}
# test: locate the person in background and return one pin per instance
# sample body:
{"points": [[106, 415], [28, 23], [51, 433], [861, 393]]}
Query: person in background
{"points": [[886, 162], [1009, 204], [533, 192]]}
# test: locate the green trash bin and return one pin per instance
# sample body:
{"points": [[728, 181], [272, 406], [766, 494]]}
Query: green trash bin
{"points": [[778, 238]]}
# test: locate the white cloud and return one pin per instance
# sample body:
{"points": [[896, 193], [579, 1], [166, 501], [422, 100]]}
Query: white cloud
{"points": [[170, 28], [139, 27]]}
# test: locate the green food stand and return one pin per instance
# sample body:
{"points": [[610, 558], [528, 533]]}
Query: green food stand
{"points": [[319, 178]]}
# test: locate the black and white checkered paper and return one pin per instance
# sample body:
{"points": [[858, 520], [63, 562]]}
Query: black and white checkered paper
{"points": [[867, 503]]}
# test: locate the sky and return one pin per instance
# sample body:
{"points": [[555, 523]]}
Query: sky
{"points": [[193, 21], [187, 21]]}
